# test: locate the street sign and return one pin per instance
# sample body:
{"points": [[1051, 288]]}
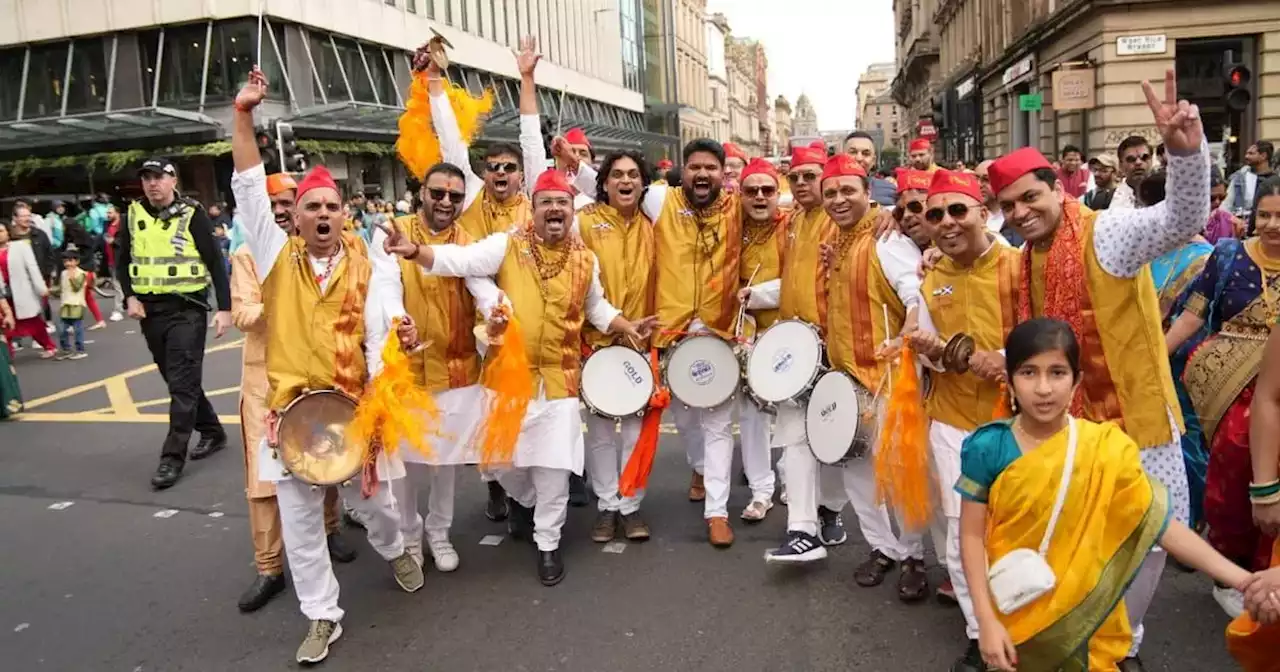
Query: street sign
{"points": [[1031, 102], [1141, 45], [1074, 89]]}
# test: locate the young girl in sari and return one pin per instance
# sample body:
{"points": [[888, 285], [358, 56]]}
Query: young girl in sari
{"points": [[1111, 516]]}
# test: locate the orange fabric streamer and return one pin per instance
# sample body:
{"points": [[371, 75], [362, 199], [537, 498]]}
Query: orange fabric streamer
{"points": [[393, 409], [1004, 408], [509, 383], [635, 476], [903, 474], [1256, 647], [418, 146]]}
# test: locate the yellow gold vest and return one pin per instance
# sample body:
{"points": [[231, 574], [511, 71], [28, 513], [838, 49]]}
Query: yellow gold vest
{"points": [[550, 312], [697, 257], [858, 295], [625, 251], [444, 312], [804, 279], [763, 248], [981, 301], [486, 217], [315, 341]]}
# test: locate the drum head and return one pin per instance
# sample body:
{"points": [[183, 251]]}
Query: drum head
{"points": [[616, 382], [832, 416], [784, 361], [313, 439], [702, 371]]}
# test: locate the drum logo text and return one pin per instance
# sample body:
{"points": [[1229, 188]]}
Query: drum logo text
{"points": [[702, 372], [827, 412], [782, 361], [632, 374]]}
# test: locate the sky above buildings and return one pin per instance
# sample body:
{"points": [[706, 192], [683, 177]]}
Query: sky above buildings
{"points": [[818, 47]]}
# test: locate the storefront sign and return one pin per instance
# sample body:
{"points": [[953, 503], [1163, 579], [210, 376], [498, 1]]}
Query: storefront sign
{"points": [[965, 88], [1141, 45], [926, 129], [1018, 69], [1031, 102], [1074, 89]]}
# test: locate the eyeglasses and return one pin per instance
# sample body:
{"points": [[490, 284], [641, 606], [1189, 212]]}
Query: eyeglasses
{"points": [[914, 207], [455, 197], [806, 176], [766, 190], [958, 211], [1134, 158], [505, 167]]}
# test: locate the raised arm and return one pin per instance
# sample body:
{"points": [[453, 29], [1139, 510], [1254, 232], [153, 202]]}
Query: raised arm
{"points": [[249, 182], [452, 147], [535, 153]]}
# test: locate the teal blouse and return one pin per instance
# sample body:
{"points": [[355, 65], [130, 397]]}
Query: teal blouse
{"points": [[984, 455]]}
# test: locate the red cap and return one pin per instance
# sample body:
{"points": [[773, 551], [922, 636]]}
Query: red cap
{"points": [[732, 151], [950, 182], [816, 152], [1005, 170], [913, 179], [842, 165], [576, 136], [318, 178], [759, 167], [665, 164], [552, 180], [280, 182], [919, 145]]}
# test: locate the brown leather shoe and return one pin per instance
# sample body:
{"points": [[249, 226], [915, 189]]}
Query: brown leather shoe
{"points": [[697, 492], [606, 527], [871, 573], [719, 533], [913, 582], [634, 528]]}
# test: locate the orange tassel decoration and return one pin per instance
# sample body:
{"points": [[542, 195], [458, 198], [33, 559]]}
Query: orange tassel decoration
{"points": [[509, 383], [903, 475], [418, 146], [393, 409], [635, 476], [1004, 408]]}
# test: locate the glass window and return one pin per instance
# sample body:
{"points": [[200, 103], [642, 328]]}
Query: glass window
{"points": [[87, 88], [412, 6], [10, 81], [448, 12], [330, 84], [44, 81], [182, 67], [493, 20], [148, 45], [357, 76], [466, 16], [234, 47], [390, 3], [384, 81]]}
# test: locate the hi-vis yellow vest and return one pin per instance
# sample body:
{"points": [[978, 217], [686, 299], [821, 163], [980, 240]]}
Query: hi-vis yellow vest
{"points": [[165, 259]]}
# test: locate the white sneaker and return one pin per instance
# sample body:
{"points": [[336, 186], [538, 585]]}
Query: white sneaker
{"points": [[444, 554], [782, 496], [116, 316], [757, 510], [49, 328], [1230, 599]]}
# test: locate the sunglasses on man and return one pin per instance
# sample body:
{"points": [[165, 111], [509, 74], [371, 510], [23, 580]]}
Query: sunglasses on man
{"points": [[766, 190], [507, 167], [803, 176], [914, 207], [1134, 158], [455, 197], [958, 211]]}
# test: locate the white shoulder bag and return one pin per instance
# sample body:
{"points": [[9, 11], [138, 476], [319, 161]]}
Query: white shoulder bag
{"points": [[1022, 576]]}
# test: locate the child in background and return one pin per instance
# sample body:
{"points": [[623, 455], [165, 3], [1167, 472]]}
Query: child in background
{"points": [[75, 284]]}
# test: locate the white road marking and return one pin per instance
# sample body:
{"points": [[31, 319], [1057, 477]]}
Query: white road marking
{"points": [[217, 514], [167, 513], [58, 506], [616, 547], [491, 540], [21, 627], [131, 332]]}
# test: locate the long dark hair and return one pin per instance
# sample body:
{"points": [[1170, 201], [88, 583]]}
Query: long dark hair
{"points": [[1268, 187], [1038, 336], [606, 166]]}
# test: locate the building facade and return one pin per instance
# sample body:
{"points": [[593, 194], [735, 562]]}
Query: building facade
{"points": [[782, 126], [744, 125], [718, 71], [136, 78], [692, 76], [877, 110], [804, 123], [916, 81]]}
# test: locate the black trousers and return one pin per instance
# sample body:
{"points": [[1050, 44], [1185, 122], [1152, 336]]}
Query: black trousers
{"points": [[175, 338]]}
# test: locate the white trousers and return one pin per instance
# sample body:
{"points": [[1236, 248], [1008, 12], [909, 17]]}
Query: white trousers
{"points": [[441, 482], [710, 430], [546, 491], [859, 480], [753, 429], [945, 441], [607, 455], [302, 527], [1165, 464]]}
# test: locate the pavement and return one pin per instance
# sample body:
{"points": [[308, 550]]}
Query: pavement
{"points": [[101, 573]]}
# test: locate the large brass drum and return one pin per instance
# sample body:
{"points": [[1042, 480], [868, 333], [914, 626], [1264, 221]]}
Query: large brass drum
{"points": [[313, 442]]}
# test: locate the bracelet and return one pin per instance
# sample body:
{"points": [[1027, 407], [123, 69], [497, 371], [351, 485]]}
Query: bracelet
{"points": [[417, 250], [246, 110], [1265, 500], [1264, 489]]}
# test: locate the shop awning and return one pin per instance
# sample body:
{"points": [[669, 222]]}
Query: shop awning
{"points": [[105, 130]]}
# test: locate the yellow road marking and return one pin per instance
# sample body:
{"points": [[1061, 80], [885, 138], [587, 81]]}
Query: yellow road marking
{"points": [[210, 393], [119, 397], [141, 418]]}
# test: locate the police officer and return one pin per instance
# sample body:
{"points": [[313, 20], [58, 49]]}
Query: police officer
{"points": [[166, 258]]}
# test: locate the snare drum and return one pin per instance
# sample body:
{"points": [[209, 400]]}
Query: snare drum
{"points": [[840, 419], [312, 438], [784, 363], [616, 382], [702, 371]]}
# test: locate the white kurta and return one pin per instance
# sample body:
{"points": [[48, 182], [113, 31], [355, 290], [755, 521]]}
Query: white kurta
{"points": [[26, 283]]}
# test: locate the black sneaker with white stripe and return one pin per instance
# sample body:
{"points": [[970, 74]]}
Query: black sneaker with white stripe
{"points": [[801, 547], [831, 527]]}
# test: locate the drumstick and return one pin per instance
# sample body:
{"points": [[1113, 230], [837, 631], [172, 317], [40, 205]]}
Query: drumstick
{"points": [[885, 306], [742, 310]]}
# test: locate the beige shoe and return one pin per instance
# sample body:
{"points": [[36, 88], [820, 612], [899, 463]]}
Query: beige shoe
{"points": [[408, 572], [757, 510], [315, 647]]}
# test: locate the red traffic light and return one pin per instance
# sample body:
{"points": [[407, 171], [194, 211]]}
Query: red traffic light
{"points": [[1238, 75], [1238, 95]]}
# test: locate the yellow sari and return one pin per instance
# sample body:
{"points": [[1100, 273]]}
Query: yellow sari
{"points": [[1256, 647], [1112, 516]]}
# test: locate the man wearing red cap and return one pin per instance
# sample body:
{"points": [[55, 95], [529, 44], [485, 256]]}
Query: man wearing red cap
{"points": [[698, 236], [913, 188], [248, 315], [1091, 270], [920, 151], [972, 290], [553, 282], [314, 288], [735, 160]]}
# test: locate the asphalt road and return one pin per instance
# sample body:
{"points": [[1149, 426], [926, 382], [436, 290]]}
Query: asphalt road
{"points": [[99, 573]]}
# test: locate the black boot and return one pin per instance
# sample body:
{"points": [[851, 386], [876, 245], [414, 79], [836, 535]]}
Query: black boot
{"points": [[550, 567], [209, 444], [578, 496], [260, 593], [339, 550], [1132, 664], [971, 661], [166, 475], [520, 523], [496, 509]]}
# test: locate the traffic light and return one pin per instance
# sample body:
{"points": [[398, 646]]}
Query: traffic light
{"points": [[1238, 78], [940, 110], [293, 160], [267, 149]]}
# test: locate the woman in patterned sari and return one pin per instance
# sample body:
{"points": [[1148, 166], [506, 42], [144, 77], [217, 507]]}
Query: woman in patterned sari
{"points": [[1235, 301], [1111, 516], [10, 393]]}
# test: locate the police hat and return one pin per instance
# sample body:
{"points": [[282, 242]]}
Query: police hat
{"points": [[159, 165]]}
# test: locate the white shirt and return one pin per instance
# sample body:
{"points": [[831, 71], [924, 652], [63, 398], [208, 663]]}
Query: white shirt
{"points": [[454, 149]]}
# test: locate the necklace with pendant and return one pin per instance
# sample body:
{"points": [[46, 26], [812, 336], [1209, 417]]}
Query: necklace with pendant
{"points": [[328, 267]]}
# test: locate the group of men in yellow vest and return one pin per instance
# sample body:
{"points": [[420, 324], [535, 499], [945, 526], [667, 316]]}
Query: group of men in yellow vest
{"points": [[587, 256]]}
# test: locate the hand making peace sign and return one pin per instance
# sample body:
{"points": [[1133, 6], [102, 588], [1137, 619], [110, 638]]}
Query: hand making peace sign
{"points": [[1177, 120]]}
